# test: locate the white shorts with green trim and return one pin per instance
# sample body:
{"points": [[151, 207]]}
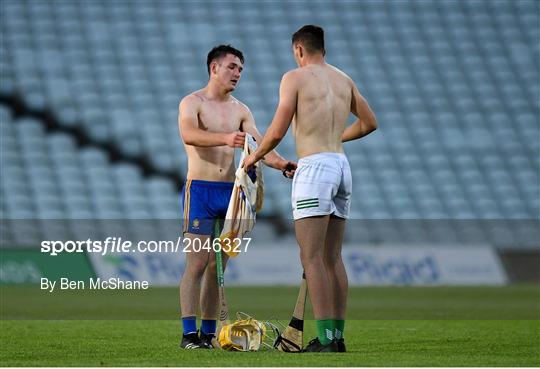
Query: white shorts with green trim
{"points": [[322, 185]]}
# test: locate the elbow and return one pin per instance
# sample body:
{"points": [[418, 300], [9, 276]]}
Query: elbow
{"points": [[276, 136], [188, 140], [275, 140], [373, 124]]}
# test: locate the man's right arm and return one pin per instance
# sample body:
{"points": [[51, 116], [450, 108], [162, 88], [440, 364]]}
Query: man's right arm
{"points": [[366, 122], [191, 133]]}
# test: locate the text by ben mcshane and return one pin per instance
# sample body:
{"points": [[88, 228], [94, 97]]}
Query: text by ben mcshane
{"points": [[92, 284]]}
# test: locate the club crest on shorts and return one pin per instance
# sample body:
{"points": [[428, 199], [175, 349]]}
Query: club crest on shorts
{"points": [[196, 223]]}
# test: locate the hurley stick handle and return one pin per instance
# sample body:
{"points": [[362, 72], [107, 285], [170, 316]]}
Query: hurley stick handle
{"points": [[301, 300], [223, 310]]}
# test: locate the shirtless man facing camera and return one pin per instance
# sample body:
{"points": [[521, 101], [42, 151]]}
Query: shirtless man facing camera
{"points": [[212, 123]]}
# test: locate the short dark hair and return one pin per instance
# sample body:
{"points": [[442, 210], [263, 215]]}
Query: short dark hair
{"points": [[221, 51], [311, 37]]}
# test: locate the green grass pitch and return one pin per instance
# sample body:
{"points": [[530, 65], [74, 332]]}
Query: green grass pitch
{"points": [[387, 326]]}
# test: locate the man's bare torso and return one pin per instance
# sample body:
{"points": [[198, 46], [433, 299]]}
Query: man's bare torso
{"points": [[214, 163], [323, 107]]}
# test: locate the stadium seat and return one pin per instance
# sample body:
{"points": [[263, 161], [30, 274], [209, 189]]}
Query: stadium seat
{"points": [[457, 106]]}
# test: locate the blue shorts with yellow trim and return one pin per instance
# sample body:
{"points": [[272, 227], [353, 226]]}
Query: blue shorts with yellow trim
{"points": [[204, 202]]}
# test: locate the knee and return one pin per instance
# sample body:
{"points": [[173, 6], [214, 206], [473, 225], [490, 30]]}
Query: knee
{"points": [[196, 268], [212, 267], [332, 259], [310, 257]]}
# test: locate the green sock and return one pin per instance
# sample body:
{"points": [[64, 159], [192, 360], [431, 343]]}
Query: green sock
{"points": [[340, 327], [325, 330]]}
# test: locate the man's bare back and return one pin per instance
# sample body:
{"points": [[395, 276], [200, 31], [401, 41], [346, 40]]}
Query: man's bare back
{"points": [[323, 106], [317, 98]]}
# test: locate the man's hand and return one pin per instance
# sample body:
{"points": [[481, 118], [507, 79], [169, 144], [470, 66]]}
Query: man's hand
{"points": [[235, 139], [289, 168], [249, 161]]}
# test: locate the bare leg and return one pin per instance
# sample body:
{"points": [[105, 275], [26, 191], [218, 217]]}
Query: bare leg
{"points": [[190, 285], [311, 236], [334, 265], [209, 293]]}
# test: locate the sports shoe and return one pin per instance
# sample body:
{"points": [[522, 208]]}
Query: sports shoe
{"points": [[341, 345], [206, 341], [190, 341], [316, 346]]}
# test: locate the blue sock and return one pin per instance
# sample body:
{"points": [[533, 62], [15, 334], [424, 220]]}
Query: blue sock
{"points": [[190, 324], [208, 326]]}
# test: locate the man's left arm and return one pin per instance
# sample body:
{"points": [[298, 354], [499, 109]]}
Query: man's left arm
{"points": [[273, 159], [282, 119]]}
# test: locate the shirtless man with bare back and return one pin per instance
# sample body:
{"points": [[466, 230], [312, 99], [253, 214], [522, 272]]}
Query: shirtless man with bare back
{"points": [[212, 123], [318, 98]]}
